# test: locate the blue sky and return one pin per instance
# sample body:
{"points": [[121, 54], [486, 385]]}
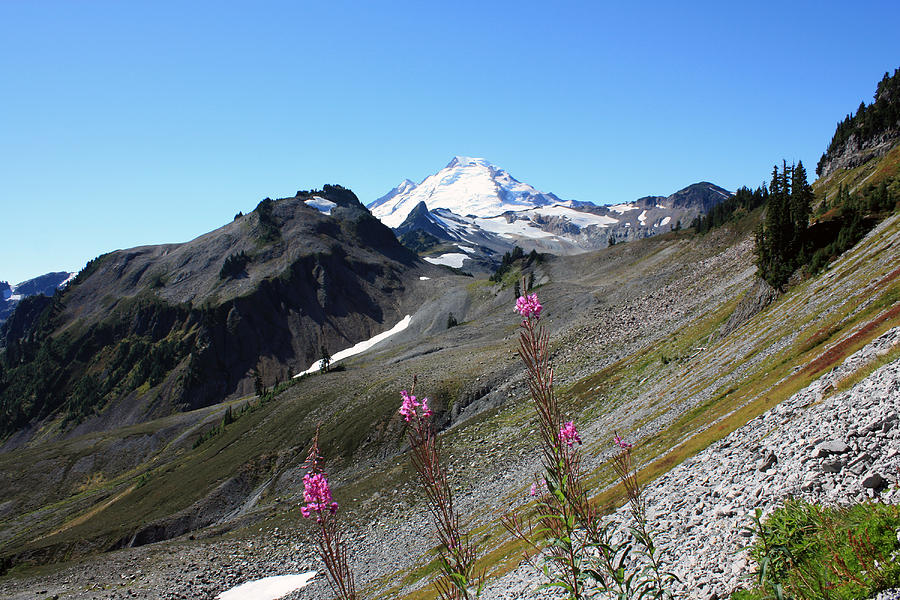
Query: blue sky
{"points": [[131, 123]]}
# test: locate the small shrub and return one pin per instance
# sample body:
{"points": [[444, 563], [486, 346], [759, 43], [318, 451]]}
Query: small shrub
{"points": [[234, 265], [324, 359], [805, 550], [268, 226]]}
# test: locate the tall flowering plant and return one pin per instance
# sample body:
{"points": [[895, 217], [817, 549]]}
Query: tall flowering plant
{"points": [[651, 579], [581, 556], [563, 507], [459, 580], [319, 505]]}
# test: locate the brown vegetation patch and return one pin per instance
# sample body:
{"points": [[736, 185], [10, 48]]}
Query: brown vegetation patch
{"points": [[840, 350], [888, 278]]}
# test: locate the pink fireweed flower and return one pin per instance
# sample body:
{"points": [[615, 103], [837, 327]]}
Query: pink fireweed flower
{"points": [[538, 488], [317, 496], [568, 434], [620, 442], [409, 406], [528, 306]]}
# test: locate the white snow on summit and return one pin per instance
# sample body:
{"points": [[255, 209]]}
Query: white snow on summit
{"points": [[466, 186], [321, 204]]}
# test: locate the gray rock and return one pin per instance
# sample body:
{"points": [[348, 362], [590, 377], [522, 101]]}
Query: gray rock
{"points": [[874, 481], [831, 447], [833, 466], [766, 463]]}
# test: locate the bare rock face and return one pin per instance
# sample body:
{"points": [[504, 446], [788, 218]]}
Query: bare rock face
{"points": [[755, 301], [856, 152]]}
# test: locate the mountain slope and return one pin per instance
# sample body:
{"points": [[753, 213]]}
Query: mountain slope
{"points": [[11, 295], [633, 326], [143, 332]]}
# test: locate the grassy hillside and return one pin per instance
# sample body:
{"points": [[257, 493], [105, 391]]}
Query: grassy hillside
{"points": [[640, 348]]}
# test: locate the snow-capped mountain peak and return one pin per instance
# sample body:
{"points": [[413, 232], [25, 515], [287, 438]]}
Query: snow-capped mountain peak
{"points": [[405, 185], [468, 161], [466, 186], [468, 214]]}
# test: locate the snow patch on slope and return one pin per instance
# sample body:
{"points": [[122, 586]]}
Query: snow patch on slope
{"points": [[268, 588], [360, 347], [622, 208], [67, 281], [576, 217], [453, 259], [502, 227]]}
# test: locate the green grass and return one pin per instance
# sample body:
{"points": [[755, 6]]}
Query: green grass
{"points": [[808, 551]]}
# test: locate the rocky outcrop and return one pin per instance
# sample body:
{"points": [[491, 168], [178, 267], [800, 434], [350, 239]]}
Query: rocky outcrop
{"points": [[868, 134], [757, 298], [856, 151]]}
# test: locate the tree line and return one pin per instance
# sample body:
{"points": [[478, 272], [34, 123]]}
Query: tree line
{"points": [[870, 121], [732, 208]]}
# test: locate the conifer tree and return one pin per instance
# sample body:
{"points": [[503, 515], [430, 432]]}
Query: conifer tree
{"points": [[800, 202], [325, 359], [779, 242]]}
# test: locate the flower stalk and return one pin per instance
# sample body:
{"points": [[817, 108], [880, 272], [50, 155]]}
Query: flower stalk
{"points": [[459, 580], [319, 505], [581, 555], [563, 508]]}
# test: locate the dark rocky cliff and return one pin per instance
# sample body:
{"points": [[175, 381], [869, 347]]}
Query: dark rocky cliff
{"points": [[147, 331]]}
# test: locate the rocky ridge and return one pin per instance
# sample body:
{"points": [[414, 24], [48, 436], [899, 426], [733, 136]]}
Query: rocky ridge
{"points": [[856, 151], [11, 295]]}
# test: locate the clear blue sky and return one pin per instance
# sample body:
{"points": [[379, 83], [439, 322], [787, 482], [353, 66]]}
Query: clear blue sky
{"points": [[130, 123]]}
